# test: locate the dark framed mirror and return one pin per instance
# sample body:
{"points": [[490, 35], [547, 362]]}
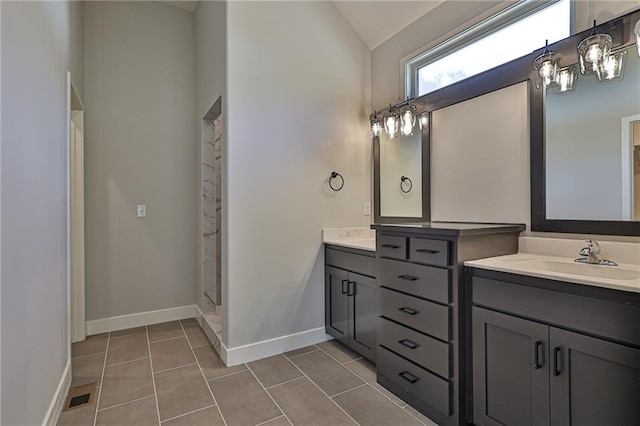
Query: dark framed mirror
{"points": [[585, 166]]}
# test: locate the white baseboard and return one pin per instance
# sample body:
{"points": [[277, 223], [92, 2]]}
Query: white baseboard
{"points": [[270, 347], [143, 318], [57, 403]]}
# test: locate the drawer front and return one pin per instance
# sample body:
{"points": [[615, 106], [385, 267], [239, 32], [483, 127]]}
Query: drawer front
{"points": [[433, 252], [391, 246], [422, 315], [424, 385], [360, 264], [430, 353], [424, 281]]}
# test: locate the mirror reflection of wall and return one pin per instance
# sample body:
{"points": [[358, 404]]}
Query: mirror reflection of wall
{"points": [[586, 156], [636, 170], [401, 156]]}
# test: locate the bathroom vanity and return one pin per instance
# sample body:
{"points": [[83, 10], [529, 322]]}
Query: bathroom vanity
{"points": [[549, 351], [421, 347]]}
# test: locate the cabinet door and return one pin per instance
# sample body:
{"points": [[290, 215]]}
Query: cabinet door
{"points": [[336, 303], [510, 370], [363, 293], [593, 382]]}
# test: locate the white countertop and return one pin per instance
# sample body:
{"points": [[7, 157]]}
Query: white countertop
{"points": [[358, 238], [625, 276]]}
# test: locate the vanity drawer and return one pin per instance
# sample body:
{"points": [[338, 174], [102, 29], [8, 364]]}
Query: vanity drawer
{"points": [[430, 353], [361, 264], [433, 252], [414, 380], [424, 281], [422, 315], [391, 246]]}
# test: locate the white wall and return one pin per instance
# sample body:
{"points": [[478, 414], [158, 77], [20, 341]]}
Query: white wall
{"points": [[37, 41], [141, 148], [600, 10], [299, 90]]}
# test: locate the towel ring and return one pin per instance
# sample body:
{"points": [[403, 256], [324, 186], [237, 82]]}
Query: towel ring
{"points": [[404, 179], [333, 176]]}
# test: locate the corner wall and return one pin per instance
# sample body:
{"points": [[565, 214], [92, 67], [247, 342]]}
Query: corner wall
{"points": [[299, 91], [140, 148], [39, 45]]}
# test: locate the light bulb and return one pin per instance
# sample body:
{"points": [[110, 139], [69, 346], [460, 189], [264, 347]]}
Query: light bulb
{"points": [[594, 53], [407, 120], [391, 125], [376, 127], [636, 30], [612, 67], [546, 69]]}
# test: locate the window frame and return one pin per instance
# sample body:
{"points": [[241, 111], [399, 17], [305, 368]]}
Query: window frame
{"points": [[484, 28]]}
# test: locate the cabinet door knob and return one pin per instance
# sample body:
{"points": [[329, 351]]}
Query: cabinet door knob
{"points": [[408, 343], [408, 277], [392, 246], [539, 355], [351, 288], [408, 310], [409, 377], [557, 361], [427, 251], [344, 290]]}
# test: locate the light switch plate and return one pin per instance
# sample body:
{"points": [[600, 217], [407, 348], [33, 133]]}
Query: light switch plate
{"points": [[142, 210], [367, 208]]}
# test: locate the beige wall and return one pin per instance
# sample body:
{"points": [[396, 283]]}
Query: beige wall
{"points": [[39, 46], [299, 87], [141, 148]]}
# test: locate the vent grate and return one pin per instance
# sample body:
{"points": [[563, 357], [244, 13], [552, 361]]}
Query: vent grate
{"points": [[80, 396]]}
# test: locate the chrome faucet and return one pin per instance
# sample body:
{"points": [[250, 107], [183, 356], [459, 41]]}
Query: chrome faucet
{"points": [[591, 252]]}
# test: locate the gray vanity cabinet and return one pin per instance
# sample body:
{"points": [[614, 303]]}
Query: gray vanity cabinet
{"points": [[351, 299], [553, 353]]}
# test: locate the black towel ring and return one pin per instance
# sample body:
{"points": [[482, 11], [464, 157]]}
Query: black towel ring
{"points": [[403, 179], [333, 176]]}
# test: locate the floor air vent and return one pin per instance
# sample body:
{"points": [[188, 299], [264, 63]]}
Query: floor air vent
{"points": [[80, 396]]}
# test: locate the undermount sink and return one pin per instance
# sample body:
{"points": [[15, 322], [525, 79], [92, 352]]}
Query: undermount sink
{"points": [[583, 269]]}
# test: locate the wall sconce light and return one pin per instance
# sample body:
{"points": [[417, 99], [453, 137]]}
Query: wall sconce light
{"points": [[613, 67], [567, 78], [407, 119], [546, 66], [592, 52], [391, 122], [376, 126], [636, 30]]}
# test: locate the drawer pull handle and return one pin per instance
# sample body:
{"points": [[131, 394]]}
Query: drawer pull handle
{"points": [[427, 251], [557, 361], [391, 246], [409, 377], [408, 277], [351, 288], [344, 291], [409, 311], [539, 356], [408, 343]]}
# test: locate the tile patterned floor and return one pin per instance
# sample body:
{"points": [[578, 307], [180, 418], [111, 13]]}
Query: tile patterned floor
{"points": [[169, 374]]}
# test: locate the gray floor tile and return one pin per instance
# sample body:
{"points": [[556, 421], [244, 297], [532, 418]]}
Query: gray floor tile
{"points": [[301, 351], [181, 391], [139, 413], [338, 351], [369, 408], [207, 417], [195, 334], [329, 375], [366, 370], [87, 369], [242, 400], [212, 365], [165, 330], [425, 420], [90, 346], [171, 354], [274, 370], [126, 382], [128, 331], [78, 416], [278, 421], [127, 348], [305, 404]]}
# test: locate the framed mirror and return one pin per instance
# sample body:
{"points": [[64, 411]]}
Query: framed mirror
{"points": [[401, 176], [586, 163]]}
